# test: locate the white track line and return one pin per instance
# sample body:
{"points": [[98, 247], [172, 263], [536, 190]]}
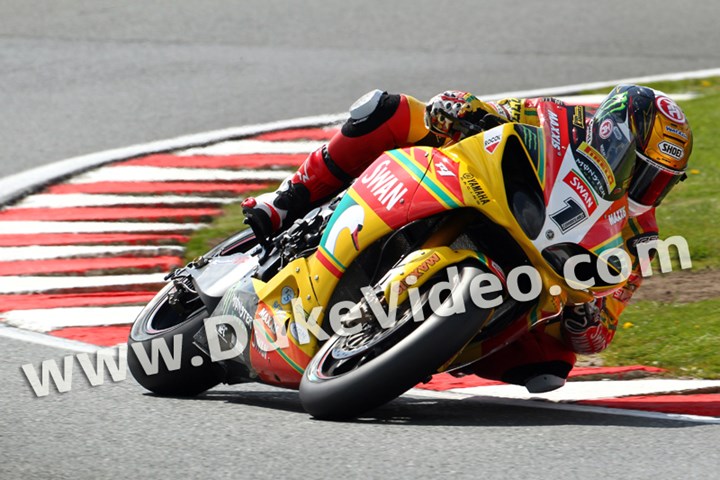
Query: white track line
{"points": [[595, 99], [17, 285], [67, 200], [45, 320], [10, 254], [160, 174], [241, 147], [46, 340], [568, 407], [15, 185], [40, 227], [581, 87], [592, 390]]}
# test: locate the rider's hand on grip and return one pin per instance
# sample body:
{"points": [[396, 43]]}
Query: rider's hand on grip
{"points": [[583, 327], [491, 120], [578, 318]]}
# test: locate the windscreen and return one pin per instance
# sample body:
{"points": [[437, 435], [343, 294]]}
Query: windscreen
{"points": [[607, 157], [609, 134]]}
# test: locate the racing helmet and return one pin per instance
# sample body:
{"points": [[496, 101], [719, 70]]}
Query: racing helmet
{"points": [[663, 140], [455, 114]]}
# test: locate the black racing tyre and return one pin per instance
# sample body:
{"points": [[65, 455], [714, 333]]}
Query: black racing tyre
{"points": [[158, 322], [351, 375]]}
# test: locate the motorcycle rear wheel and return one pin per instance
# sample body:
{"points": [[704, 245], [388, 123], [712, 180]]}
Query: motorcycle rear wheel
{"points": [[353, 374]]}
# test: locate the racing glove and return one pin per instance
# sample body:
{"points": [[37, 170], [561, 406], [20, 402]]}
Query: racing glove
{"points": [[586, 328]]}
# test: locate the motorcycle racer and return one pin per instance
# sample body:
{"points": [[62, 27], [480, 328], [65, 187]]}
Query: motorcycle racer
{"points": [[542, 358]]}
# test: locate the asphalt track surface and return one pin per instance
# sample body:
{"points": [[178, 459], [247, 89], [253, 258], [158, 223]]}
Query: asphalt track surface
{"points": [[78, 77]]}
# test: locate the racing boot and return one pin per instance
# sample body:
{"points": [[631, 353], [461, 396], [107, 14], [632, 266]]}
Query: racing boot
{"points": [[315, 180], [271, 212], [537, 360]]}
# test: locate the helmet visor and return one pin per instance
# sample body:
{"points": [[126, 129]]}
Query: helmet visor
{"points": [[652, 181]]}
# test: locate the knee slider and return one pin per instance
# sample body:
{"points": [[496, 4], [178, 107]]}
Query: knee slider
{"points": [[365, 105], [369, 112]]}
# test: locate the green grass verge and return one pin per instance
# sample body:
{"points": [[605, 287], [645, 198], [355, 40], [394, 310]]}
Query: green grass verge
{"points": [[230, 222], [682, 338], [226, 224], [692, 209]]}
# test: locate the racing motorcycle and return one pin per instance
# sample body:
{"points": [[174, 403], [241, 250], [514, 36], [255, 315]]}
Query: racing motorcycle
{"points": [[387, 284]]}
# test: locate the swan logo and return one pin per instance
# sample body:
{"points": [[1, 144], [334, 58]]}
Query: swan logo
{"points": [[385, 186], [582, 190], [351, 219]]}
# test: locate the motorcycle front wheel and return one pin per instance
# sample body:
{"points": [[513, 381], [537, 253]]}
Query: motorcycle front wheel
{"points": [[188, 371], [355, 373], [185, 370]]}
